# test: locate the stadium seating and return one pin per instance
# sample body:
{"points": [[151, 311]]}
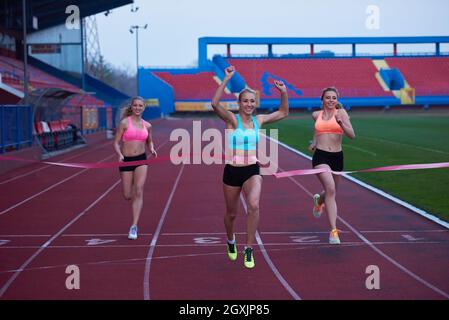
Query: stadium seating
{"points": [[353, 77], [427, 75], [84, 100], [54, 134], [12, 74], [199, 86]]}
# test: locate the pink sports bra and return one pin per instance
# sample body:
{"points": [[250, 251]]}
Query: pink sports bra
{"points": [[132, 134]]}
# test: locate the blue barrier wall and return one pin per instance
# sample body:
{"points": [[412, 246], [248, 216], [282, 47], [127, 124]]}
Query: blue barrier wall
{"points": [[269, 41], [16, 127], [153, 87], [102, 118]]}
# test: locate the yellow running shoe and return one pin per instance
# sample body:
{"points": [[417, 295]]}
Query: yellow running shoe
{"points": [[333, 236], [248, 258], [232, 250], [317, 207]]}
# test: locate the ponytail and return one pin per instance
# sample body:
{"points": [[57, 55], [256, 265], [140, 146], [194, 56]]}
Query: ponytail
{"points": [[128, 110]]}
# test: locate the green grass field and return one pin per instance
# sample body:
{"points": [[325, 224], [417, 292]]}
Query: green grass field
{"points": [[389, 139]]}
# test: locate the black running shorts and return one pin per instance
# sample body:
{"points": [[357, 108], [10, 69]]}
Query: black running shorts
{"points": [[333, 159], [140, 157], [236, 176]]}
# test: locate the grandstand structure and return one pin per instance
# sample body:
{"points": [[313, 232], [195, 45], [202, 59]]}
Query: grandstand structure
{"points": [[47, 96], [364, 79], [60, 89]]}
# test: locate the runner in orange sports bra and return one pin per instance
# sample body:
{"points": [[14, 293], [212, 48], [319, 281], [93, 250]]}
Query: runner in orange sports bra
{"points": [[134, 134], [327, 126], [330, 124]]}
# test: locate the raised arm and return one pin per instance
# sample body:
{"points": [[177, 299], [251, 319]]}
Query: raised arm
{"points": [[224, 114], [283, 109]]}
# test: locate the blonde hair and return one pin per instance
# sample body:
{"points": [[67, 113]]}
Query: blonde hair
{"points": [[128, 110], [330, 89], [246, 90], [333, 89]]}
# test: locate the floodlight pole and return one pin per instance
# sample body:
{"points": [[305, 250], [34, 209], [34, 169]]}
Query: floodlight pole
{"points": [[83, 54], [137, 52], [25, 52]]}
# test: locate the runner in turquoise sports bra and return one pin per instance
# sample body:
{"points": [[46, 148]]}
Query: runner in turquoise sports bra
{"points": [[242, 171]]}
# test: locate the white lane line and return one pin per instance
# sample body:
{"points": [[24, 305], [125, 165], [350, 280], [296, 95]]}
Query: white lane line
{"points": [[360, 149], [146, 278], [372, 246], [402, 231], [25, 235], [268, 260], [101, 234], [65, 180], [139, 260], [404, 144], [394, 262], [294, 244], [62, 160], [48, 166], [49, 188], [375, 190], [220, 245], [47, 243], [213, 233]]}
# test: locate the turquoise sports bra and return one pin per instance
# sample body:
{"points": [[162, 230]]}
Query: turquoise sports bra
{"points": [[244, 139]]}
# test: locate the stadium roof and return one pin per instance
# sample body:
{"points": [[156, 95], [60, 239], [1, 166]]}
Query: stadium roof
{"points": [[50, 12]]}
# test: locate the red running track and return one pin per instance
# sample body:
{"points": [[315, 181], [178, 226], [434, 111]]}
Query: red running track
{"points": [[52, 217]]}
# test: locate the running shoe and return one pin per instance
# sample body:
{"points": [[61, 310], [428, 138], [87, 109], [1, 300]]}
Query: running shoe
{"points": [[333, 237], [132, 233], [232, 250], [317, 207], [249, 258]]}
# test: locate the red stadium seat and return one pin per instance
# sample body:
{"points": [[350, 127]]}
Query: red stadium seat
{"points": [[353, 77]]}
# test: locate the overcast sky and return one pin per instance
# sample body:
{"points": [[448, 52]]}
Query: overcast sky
{"points": [[174, 26]]}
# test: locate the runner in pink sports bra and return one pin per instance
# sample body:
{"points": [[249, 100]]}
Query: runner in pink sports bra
{"points": [[133, 134], [131, 141]]}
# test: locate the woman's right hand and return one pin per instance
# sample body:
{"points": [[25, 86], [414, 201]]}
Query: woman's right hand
{"points": [[229, 72], [121, 158], [312, 146]]}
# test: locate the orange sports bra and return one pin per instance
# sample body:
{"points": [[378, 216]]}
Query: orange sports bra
{"points": [[133, 134], [327, 126]]}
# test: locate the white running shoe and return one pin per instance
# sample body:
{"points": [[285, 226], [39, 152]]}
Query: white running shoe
{"points": [[317, 208], [132, 233], [333, 237]]}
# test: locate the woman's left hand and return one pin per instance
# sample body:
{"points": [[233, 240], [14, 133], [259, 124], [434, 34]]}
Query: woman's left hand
{"points": [[338, 117], [153, 152]]}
